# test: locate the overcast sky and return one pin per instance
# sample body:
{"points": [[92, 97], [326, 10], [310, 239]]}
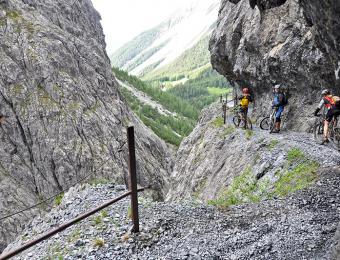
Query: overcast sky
{"points": [[124, 19]]}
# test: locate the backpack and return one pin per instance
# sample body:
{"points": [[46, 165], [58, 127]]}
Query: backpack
{"points": [[329, 102], [284, 99], [286, 96], [336, 100]]}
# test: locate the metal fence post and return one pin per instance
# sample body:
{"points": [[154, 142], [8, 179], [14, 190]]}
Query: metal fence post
{"points": [[133, 179], [235, 99], [224, 113]]}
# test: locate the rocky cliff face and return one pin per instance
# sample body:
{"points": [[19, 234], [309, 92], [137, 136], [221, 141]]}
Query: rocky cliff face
{"points": [[66, 119], [324, 16], [260, 43]]}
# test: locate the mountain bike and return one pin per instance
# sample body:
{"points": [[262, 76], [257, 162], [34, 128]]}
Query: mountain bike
{"points": [[318, 127], [268, 123], [333, 131], [240, 119]]}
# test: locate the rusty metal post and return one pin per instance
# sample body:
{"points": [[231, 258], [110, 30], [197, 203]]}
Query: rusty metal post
{"points": [[133, 179], [235, 99], [224, 113]]}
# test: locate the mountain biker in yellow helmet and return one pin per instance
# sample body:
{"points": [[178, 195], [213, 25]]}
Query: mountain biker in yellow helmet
{"points": [[245, 99]]}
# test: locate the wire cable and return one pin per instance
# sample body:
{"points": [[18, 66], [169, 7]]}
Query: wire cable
{"points": [[61, 192]]}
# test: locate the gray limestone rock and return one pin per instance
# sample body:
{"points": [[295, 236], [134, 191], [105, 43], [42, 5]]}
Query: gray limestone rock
{"points": [[274, 44], [66, 117]]}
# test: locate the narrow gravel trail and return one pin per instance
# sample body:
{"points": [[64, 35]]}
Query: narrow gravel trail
{"points": [[301, 226]]}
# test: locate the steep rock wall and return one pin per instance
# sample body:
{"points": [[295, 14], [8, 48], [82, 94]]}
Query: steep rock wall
{"points": [[66, 118], [275, 43], [325, 17]]}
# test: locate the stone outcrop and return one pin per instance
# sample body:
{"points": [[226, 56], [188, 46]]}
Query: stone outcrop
{"points": [[66, 118], [265, 42], [324, 16]]}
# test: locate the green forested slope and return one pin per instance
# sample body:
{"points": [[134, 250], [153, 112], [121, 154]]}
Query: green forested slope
{"points": [[169, 128], [135, 47], [185, 87], [185, 65]]}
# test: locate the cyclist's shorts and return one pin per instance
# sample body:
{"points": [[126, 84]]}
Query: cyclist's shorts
{"points": [[244, 109], [278, 113], [333, 112]]}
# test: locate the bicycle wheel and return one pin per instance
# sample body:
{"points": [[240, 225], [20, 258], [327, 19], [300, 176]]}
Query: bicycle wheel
{"points": [[335, 138], [318, 132], [264, 124], [236, 121]]}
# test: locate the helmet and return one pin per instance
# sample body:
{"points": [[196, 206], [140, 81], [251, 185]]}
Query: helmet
{"points": [[278, 86], [325, 92], [245, 90]]}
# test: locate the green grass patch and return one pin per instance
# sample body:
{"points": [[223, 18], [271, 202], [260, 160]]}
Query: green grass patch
{"points": [[294, 155], [59, 199], [14, 15], [97, 220], [300, 177], [299, 173], [55, 251], [228, 131], [272, 144], [74, 236], [98, 242], [218, 91], [104, 214], [218, 122], [249, 133], [244, 188]]}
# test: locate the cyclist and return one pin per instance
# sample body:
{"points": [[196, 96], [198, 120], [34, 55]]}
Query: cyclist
{"points": [[333, 112], [279, 102], [326, 101], [245, 99]]}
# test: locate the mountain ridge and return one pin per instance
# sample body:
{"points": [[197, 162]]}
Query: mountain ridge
{"points": [[164, 43]]}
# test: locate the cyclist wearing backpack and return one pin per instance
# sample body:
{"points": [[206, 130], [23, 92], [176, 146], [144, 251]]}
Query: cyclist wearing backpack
{"points": [[333, 112], [326, 101], [245, 99], [279, 102]]}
